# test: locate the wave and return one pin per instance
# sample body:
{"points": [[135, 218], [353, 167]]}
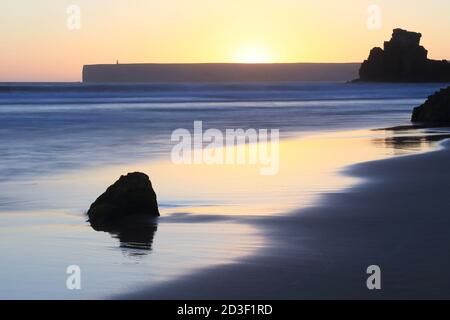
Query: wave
{"points": [[70, 93]]}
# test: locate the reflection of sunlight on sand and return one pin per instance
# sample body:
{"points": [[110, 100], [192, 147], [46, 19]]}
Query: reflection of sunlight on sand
{"points": [[214, 232], [307, 167]]}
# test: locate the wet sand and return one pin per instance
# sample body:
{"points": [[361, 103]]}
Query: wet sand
{"points": [[398, 217]]}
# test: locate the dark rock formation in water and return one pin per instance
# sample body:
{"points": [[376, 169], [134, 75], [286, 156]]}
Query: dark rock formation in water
{"points": [[131, 197], [403, 59], [436, 110]]}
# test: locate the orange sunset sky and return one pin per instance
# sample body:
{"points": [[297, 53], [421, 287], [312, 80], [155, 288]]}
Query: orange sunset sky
{"points": [[37, 45]]}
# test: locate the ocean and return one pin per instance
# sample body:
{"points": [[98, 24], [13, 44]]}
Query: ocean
{"points": [[61, 145]]}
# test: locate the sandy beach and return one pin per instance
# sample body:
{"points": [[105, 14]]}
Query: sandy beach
{"points": [[396, 218]]}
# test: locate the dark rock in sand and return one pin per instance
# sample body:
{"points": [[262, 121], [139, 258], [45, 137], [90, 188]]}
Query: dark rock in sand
{"points": [[131, 197], [436, 110], [403, 59]]}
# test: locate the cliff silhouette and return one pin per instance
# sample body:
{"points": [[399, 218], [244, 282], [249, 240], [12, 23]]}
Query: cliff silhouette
{"points": [[403, 59], [220, 72]]}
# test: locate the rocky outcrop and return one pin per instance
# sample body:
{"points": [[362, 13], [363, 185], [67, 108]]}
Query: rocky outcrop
{"points": [[403, 59], [131, 197], [436, 110]]}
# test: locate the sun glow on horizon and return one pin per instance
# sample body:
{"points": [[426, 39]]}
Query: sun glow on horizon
{"points": [[253, 54], [38, 45]]}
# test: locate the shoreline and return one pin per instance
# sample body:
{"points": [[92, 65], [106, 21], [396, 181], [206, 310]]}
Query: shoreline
{"points": [[322, 252], [199, 237]]}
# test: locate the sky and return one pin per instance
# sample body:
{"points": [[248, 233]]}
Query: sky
{"points": [[45, 41]]}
